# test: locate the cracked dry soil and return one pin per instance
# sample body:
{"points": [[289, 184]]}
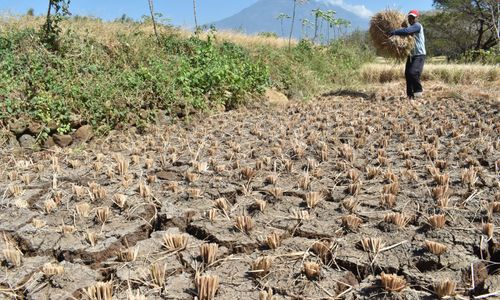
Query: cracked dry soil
{"points": [[318, 177]]}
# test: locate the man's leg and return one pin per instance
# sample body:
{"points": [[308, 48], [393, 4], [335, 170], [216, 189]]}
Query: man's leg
{"points": [[409, 84], [415, 73]]}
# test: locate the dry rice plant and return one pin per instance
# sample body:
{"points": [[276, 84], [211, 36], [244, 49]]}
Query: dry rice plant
{"points": [[260, 204], [276, 192], [313, 198], [175, 242], [437, 221], [351, 222], [91, 238], [488, 230], [372, 245], [442, 179], [441, 164], [128, 255], [388, 200], [288, 164], [445, 288], [78, 191], [244, 224], [435, 248], [49, 206], [68, 229], [144, 190], [121, 165], [212, 215], [200, 166], [271, 178], [354, 188], [443, 202], [350, 204], [37, 223], [267, 295], [372, 172], [392, 282], [304, 181], [100, 291], [273, 240], [12, 175], [347, 152], [261, 266], [353, 175], [324, 249], [207, 286], [312, 270], [208, 253], [440, 192], [248, 173], [495, 207], [400, 220], [191, 177], [149, 163], [219, 168], [15, 190], [157, 272], [300, 215], [50, 269], [120, 200], [137, 296], [12, 256], [102, 214], [469, 177], [391, 188], [194, 193], [222, 204], [83, 209]]}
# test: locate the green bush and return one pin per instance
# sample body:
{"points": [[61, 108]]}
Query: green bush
{"points": [[126, 81]]}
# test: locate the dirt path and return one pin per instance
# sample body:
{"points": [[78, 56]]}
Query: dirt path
{"points": [[357, 185]]}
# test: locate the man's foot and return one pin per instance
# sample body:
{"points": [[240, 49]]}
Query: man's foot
{"points": [[418, 95]]}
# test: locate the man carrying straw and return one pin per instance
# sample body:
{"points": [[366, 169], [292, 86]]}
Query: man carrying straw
{"points": [[415, 61]]}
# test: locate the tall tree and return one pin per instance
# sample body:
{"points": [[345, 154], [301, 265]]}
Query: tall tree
{"points": [[195, 17], [462, 25], [295, 3], [151, 10], [281, 17]]}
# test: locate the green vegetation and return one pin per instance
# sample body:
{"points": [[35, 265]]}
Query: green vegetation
{"points": [[463, 30], [127, 77]]}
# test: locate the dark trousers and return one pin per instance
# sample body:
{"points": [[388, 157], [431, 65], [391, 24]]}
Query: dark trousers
{"points": [[413, 70]]}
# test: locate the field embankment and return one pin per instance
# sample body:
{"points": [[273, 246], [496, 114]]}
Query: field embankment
{"points": [[112, 74]]}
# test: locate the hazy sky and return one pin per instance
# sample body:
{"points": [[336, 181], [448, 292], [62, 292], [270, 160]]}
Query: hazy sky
{"points": [[180, 11]]}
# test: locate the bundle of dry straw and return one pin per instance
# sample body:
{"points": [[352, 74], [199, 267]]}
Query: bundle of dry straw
{"points": [[381, 24]]}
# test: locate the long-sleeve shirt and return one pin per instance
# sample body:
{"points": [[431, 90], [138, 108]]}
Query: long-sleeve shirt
{"points": [[417, 30]]}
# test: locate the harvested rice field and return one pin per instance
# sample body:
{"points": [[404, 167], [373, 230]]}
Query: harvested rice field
{"points": [[349, 196]]}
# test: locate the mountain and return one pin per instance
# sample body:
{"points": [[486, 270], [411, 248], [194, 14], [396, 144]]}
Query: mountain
{"points": [[262, 17]]}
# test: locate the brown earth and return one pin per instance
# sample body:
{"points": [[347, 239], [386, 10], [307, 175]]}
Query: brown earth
{"points": [[352, 148]]}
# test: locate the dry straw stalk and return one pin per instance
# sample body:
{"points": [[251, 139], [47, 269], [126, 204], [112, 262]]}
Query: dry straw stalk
{"points": [[392, 283], [207, 287]]}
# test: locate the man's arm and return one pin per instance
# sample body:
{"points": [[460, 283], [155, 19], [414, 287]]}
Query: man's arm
{"points": [[408, 30]]}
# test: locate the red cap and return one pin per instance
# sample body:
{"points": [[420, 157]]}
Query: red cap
{"points": [[413, 13]]}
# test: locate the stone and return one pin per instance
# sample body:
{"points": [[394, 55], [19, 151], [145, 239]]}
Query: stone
{"points": [[49, 143], [84, 133], [12, 142], [27, 141], [275, 97], [63, 140], [35, 128], [18, 126]]}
